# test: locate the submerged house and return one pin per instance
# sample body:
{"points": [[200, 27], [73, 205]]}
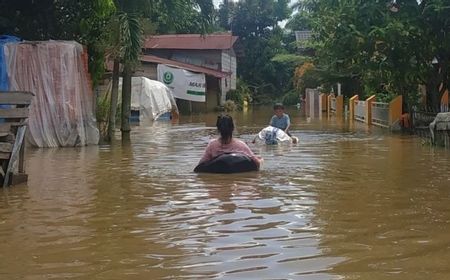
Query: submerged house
{"points": [[212, 55]]}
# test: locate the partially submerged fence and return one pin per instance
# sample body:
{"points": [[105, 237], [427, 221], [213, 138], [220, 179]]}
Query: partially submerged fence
{"points": [[377, 113], [336, 105], [312, 103], [421, 119], [360, 111]]}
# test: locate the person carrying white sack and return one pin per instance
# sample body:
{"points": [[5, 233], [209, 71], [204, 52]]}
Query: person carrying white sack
{"points": [[272, 136]]}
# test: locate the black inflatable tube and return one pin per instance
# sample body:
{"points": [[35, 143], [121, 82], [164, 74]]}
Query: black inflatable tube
{"points": [[227, 163]]}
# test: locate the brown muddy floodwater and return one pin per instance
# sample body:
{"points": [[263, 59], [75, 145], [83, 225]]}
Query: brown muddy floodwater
{"points": [[346, 203]]}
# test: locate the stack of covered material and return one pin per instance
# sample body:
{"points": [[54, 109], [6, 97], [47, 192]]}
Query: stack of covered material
{"points": [[62, 114], [151, 98]]}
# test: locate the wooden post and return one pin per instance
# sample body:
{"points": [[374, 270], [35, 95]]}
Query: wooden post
{"points": [[369, 109], [329, 97], [351, 106], [323, 104], [126, 99], [340, 106], [444, 102], [395, 110], [14, 154]]}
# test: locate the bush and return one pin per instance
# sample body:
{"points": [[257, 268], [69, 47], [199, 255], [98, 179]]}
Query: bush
{"points": [[291, 98], [230, 106], [238, 95]]}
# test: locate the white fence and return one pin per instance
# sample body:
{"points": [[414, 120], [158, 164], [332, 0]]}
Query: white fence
{"points": [[380, 113], [360, 110]]}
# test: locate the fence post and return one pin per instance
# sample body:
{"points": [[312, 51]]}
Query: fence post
{"points": [[329, 104], [369, 109], [340, 106], [307, 102], [351, 106], [395, 110], [323, 103], [444, 102]]}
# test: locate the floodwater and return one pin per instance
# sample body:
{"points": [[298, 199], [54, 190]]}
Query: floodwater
{"points": [[346, 203]]}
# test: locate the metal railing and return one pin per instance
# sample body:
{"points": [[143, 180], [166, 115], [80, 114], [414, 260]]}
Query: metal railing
{"points": [[360, 110], [380, 114]]}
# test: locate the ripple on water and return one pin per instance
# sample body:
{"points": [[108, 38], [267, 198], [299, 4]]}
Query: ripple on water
{"points": [[338, 205]]}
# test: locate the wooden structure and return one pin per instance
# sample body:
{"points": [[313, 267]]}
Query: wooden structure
{"points": [[14, 112], [336, 105]]}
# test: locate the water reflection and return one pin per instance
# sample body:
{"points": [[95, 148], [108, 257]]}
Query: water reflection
{"points": [[346, 203]]}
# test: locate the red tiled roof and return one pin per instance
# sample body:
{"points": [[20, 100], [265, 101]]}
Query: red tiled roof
{"points": [[190, 67], [219, 41]]}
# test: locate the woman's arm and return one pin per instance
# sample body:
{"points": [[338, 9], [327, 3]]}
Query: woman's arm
{"points": [[207, 154]]}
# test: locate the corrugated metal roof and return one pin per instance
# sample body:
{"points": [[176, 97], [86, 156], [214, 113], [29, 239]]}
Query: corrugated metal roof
{"points": [[190, 67], [220, 41]]}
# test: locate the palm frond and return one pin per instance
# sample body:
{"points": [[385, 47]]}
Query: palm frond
{"points": [[131, 36]]}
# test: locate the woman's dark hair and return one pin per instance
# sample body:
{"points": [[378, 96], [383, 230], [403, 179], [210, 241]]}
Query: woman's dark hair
{"points": [[225, 126]]}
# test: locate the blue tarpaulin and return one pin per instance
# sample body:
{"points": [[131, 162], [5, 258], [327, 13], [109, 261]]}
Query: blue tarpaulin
{"points": [[4, 84]]}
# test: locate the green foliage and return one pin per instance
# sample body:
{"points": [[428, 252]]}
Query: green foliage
{"points": [[299, 21], [383, 45], [128, 36], [240, 94], [289, 59], [256, 24], [82, 21], [291, 98], [230, 106], [102, 114]]}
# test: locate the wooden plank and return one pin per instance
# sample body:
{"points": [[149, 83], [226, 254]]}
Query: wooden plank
{"points": [[16, 97], [14, 154], [5, 155], [18, 178], [12, 123], [6, 147], [14, 113], [5, 127], [22, 158]]}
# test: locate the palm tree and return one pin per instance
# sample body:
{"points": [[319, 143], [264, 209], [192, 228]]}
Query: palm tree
{"points": [[126, 36], [127, 33]]}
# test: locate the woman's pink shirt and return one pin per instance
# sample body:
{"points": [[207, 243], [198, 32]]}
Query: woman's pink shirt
{"points": [[216, 148]]}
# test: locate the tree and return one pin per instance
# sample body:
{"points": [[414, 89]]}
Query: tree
{"points": [[166, 15], [384, 45], [256, 24], [82, 21], [435, 26]]}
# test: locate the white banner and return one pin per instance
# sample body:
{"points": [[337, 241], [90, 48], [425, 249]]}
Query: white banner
{"points": [[184, 84]]}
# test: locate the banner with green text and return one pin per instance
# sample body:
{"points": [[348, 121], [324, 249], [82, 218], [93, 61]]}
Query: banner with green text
{"points": [[184, 84]]}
